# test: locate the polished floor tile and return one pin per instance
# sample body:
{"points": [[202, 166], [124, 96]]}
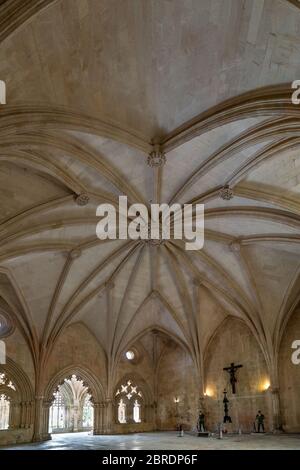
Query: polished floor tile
{"points": [[163, 441]]}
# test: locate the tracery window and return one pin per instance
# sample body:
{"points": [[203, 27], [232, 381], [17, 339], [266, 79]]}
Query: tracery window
{"points": [[4, 412], [72, 409], [87, 412], [57, 412], [7, 386], [4, 380], [129, 400]]}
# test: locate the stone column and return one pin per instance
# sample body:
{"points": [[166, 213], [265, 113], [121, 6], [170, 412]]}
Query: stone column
{"points": [[75, 416], [108, 416], [25, 414], [154, 415], [14, 415], [46, 411], [274, 407], [205, 403], [148, 414], [28, 414], [23, 411], [98, 418], [41, 420], [38, 418]]}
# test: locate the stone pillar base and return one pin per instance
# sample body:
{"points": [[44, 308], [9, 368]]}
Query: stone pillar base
{"points": [[44, 437], [107, 431]]}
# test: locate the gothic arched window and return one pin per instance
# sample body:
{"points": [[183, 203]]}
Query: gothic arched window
{"points": [[4, 412], [57, 412], [87, 412], [122, 412], [137, 412], [128, 402], [4, 380], [7, 391], [72, 409]]}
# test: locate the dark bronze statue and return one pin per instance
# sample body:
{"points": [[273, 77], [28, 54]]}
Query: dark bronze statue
{"points": [[260, 422], [200, 423]]}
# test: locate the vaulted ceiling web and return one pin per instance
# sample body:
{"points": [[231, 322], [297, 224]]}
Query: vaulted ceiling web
{"points": [[77, 131]]}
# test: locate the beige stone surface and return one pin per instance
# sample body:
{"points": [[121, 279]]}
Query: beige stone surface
{"points": [[289, 377], [92, 85]]}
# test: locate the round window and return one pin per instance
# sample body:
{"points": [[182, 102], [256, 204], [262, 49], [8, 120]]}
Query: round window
{"points": [[130, 355], [6, 326]]}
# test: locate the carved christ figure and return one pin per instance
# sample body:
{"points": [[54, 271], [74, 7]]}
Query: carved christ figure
{"points": [[232, 370]]}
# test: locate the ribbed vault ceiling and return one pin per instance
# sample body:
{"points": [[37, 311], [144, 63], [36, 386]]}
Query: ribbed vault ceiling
{"points": [[89, 85]]}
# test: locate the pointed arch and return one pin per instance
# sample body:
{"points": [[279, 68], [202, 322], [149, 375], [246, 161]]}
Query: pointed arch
{"points": [[87, 376]]}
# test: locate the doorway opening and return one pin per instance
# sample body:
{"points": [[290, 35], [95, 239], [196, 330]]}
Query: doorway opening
{"points": [[72, 408]]}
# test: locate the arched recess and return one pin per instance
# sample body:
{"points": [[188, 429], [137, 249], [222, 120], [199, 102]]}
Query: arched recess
{"points": [[150, 345], [155, 329], [233, 342], [68, 349], [154, 313], [289, 374], [132, 388], [15, 385], [94, 388]]}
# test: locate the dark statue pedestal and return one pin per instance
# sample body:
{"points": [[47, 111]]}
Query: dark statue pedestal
{"points": [[203, 434]]}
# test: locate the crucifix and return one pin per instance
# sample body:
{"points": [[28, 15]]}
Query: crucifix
{"points": [[232, 370]]}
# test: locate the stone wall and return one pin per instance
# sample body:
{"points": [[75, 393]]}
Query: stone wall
{"points": [[21, 427], [176, 379], [233, 342], [171, 387], [289, 377], [141, 372], [77, 346], [143, 366], [16, 436], [17, 349]]}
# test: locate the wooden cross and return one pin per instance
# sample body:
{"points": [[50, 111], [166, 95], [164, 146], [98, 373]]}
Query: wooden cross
{"points": [[232, 370]]}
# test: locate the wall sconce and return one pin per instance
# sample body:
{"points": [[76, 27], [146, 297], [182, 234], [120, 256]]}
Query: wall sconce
{"points": [[208, 392], [176, 400], [266, 385]]}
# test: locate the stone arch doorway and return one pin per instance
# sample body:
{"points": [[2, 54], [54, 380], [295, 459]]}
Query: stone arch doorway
{"points": [[74, 402], [72, 409], [16, 403]]}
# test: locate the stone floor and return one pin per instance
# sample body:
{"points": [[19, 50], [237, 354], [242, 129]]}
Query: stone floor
{"points": [[163, 441]]}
